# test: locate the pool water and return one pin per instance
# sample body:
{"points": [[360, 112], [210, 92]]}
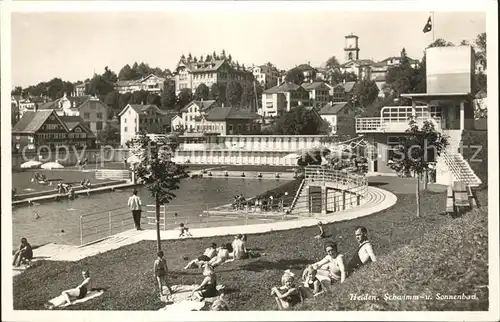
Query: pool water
{"points": [[58, 222]]}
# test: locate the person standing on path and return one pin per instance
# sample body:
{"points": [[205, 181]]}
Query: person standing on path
{"points": [[134, 203]]}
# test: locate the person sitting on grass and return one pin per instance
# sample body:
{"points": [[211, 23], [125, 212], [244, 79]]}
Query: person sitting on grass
{"points": [[161, 271], [184, 231], [209, 253], [208, 287], [239, 247], [220, 304], [363, 253], [321, 231], [80, 291], [288, 295], [311, 281], [332, 266], [25, 252], [223, 255]]}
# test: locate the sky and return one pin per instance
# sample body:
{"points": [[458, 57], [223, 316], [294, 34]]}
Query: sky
{"points": [[72, 45]]}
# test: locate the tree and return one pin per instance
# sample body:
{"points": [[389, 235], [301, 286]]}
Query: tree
{"points": [[168, 98], [124, 100], [109, 75], [417, 150], [14, 114], [332, 63], [126, 73], [366, 92], [233, 93], [153, 99], [202, 92], [294, 76], [248, 95], [139, 97], [109, 136], [157, 171], [406, 79], [113, 100], [18, 90], [185, 96], [218, 92], [480, 43], [190, 58], [100, 86], [298, 121], [440, 42]]}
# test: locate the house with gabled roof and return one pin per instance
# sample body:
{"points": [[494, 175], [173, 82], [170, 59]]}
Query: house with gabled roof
{"points": [[343, 92], [91, 109], [319, 93], [135, 118], [40, 130], [360, 67], [149, 83], [338, 112], [282, 98], [194, 110], [79, 134]]}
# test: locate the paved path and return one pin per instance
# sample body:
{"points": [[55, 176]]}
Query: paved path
{"points": [[379, 200]]}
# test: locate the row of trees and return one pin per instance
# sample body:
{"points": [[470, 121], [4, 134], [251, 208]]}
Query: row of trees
{"points": [[141, 70]]}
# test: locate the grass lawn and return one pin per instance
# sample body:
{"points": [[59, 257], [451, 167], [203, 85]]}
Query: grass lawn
{"points": [[434, 253]]}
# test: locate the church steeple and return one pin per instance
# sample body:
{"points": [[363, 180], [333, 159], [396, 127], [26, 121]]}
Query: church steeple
{"points": [[351, 48]]}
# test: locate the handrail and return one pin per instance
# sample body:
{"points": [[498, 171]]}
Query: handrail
{"points": [[297, 194]]}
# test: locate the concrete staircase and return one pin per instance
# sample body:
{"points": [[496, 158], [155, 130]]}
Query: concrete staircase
{"points": [[452, 166], [298, 195]]}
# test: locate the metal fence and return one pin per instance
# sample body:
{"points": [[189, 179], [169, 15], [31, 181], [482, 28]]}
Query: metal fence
{"points": [[326, 190], [99, 225]]}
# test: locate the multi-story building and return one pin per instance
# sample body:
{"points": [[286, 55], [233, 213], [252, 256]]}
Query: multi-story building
{"points": [[343, 92], [26, 104], [351, 48], [266, 75], [308, 71], [190, 74], [280, 99], [447, 104], [135, 118], [192, 112], [319, 93], [150, 83], [361, 68], [40, 130], [227, 120], [79, 89], [336, 113], [91, 109]]}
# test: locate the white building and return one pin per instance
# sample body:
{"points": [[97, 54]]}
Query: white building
{"points": [[336, 112], [150, 83], [191, 113], [319, 93], [266, 75], [280, 99]]}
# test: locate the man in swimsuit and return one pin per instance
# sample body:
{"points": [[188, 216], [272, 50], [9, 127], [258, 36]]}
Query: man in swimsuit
{"points": [[336, 268], [363, 253]]}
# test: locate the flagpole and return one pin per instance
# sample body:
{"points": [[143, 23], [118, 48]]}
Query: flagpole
{"points": [[433, 26]]}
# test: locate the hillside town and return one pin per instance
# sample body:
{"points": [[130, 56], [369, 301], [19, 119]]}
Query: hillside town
{"points": [[215, 94], [339, 183]]}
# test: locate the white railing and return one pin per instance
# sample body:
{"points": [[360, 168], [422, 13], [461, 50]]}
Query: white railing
{"points": [[112, 174], [151, 217], [349, 191]]}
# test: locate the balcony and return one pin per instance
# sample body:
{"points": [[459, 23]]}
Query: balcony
{"points": [[395, 119]]}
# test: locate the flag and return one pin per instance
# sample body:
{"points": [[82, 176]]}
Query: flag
{"points": [[428, 26]]}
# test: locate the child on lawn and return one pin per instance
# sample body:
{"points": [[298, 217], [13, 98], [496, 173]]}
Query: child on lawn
{"points": [[161, 271], [184, 231]]}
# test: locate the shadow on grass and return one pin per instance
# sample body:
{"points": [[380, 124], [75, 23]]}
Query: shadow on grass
{"points": [[262, 265], [377, 184]]}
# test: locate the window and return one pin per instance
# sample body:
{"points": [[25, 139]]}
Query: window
{"points": [[248, 127], [86, 116], [125, 120], [125, 129], [98, 126], [99, 116]]}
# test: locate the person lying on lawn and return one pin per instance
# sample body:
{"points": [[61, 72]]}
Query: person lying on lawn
{"points": [[335, 270], [208, 287], [209, 253], [364, 252], [223, 255], [81, 290], [287, 294]]}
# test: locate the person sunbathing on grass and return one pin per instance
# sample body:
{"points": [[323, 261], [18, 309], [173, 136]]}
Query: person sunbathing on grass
{"points": [[78, 292], [208, 287], [223, 256], [287, 294], [332, 266], [363, 253], [209, 253], [239, 247], [311, 281]]}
